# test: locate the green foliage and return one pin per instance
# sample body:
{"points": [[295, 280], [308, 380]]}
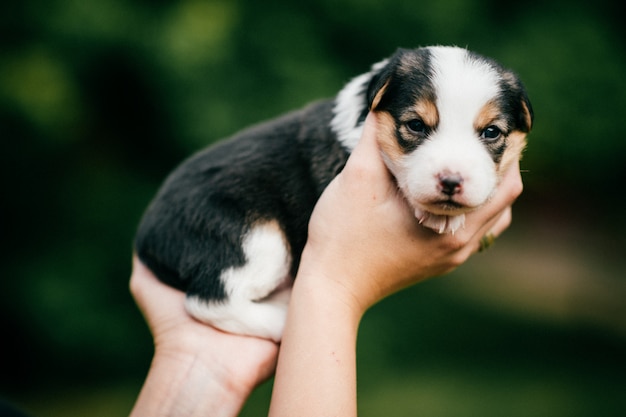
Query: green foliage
{"points": [[99, 99]]}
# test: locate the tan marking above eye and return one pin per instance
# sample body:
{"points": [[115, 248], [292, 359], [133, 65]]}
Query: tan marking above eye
{"points": [[488, 115], [427, 111]]}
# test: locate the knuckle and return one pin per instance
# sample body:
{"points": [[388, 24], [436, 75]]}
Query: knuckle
{"points": [[517, 189], [458, 259], [458, 242]]}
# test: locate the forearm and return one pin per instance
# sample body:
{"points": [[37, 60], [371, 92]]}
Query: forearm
{"points": [[183, 386], [316, 374]]}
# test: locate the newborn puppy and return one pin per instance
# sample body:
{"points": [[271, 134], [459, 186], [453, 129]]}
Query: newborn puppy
{"points": [[229, 224]]}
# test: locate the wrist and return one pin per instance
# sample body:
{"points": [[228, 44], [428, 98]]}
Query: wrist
{"points": [[327, 291], [319, 342], [184, 385], [348, 283]]}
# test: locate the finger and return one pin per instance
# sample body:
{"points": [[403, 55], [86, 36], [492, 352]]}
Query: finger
{"points": [[153, 297], [502, 223], [367, 142], [509, 189], [365, 158], [507, 192], [488, 234]]}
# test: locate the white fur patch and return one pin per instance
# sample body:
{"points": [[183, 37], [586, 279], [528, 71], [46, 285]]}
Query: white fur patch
{"points": [[257, 292], [349, 105]]}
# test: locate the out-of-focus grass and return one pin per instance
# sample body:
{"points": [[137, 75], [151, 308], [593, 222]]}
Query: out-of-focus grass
{"points": [[114, 399]]}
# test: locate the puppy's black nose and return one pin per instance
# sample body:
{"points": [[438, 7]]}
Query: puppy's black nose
{"points": [[450, 184]]}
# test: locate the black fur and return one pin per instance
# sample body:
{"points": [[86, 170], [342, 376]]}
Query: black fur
{"points": [[406, 79], [193, 228]]}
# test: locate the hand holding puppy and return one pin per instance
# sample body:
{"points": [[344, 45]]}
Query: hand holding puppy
{"points": [[364, 238], [196, 369], [364, 244]]}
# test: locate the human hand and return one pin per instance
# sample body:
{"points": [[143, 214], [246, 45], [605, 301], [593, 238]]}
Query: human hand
{"points": [[196, 369], [365, 241], [364, 244]]}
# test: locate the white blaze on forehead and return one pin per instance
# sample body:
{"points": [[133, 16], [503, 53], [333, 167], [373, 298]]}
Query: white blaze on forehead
{"points": [[463, 85]]}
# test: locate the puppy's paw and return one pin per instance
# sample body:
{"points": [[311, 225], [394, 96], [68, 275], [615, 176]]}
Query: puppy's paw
{"points": [[440, 223]]}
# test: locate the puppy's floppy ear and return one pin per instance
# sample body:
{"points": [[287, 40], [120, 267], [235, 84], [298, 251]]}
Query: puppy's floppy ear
{"points": [[382, 74], [377, 87], [526, 115], [522, 109]]}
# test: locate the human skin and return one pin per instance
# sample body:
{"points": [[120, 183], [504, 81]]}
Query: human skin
{"points": [[196, 370], [363, 245]]}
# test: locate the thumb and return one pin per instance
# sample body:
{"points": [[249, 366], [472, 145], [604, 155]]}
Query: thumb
{"points": [[366, 156]]}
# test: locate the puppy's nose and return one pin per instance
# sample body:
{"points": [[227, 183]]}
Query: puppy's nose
{"points": [[450, 184]]}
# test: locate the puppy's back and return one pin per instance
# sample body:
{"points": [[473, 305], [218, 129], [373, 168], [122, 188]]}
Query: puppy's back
{"points": [[193, 229]]}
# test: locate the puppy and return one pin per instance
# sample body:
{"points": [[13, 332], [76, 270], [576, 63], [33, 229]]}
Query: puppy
{"points": [[229, 224]]}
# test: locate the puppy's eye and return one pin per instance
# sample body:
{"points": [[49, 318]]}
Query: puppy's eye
{"points": [[491, 133], [417, 126]]}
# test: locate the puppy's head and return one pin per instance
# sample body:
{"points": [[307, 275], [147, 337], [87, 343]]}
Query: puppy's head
{"points": [[452, 122]]}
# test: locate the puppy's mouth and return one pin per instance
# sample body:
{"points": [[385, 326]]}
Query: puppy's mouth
{"points": [[446, 207]]}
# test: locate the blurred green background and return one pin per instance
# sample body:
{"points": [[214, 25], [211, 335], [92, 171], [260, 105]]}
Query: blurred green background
{"points": [[100, 99]]}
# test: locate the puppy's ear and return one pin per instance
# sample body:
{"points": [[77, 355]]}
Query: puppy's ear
{"points": [[383, 72], [526, 115], [388, 77], [378, 84], [522, 109]]}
